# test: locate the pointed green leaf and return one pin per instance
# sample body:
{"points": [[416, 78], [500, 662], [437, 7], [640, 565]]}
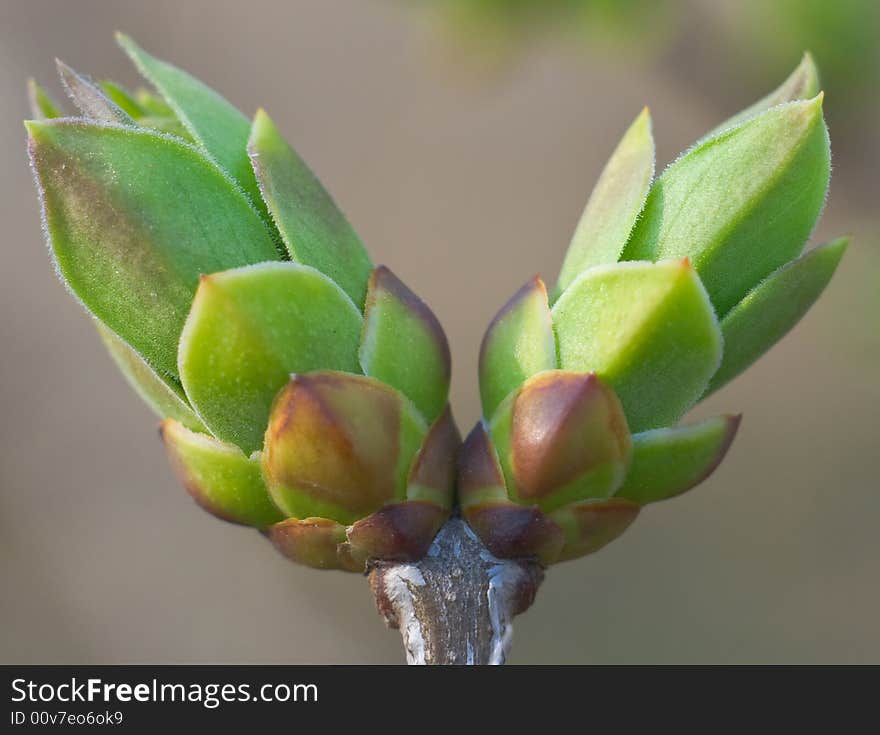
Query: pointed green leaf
{"points": [[742, 204], [133, 219], [248, 330], [614, 205], [648, 330], [170, 125], [518, 344], [152, 104], [89, 98], [667, 462], [43, 107], [802, 84], [213, 122], [315, 232], [164, 395], [123, 98], [404, 345], [592, 524], [148, 110], [773, 307], [219, 477]]}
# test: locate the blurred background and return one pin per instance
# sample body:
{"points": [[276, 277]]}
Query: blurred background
{"points": [[462, 138]]}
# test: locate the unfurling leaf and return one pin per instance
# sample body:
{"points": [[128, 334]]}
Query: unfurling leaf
{"points": [[592, 524], [647, 330], [163, 394], [314, 231], [153, 104], [773, 307], [123, 98], [43, 107], [219, 477], [90, 98], [248, 330], [518, 344], [614, 205], [741, 204], [133, 219], [667, 462], [214, 123], [802, 84], [404, 345]]}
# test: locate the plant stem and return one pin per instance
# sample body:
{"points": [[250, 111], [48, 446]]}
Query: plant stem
{"points": [[455, 606]]}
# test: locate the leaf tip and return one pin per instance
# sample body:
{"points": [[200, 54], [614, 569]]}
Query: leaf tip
{"points": [[124, 40], [731, 427], [807, 75], [839, 245], [62, 67], [812, 106], [164, 426]]}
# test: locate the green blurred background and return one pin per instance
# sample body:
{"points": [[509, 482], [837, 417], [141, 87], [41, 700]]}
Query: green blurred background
{"points": [[462, 137]]}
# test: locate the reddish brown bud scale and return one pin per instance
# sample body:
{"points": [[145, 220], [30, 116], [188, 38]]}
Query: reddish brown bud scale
{"points": [[333, 446], [432, 475], [396, 532], [512, 531], [479, 473], [564, 427]]}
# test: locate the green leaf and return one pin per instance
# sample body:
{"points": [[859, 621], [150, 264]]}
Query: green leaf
{"points": [[313, 228], [133, 219], [773, 307], [164, 395], [248, 330], [648, 330], [802, 84], [592, 524], [89, 98], [43, 107], [667, 462], [614, 205], [404, 345], [219, 477], [152, 104], [214, 123], [518, 344], [741, 204], [170, 125], [123, 98]]}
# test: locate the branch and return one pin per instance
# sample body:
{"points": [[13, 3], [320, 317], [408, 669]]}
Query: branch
{"points": [[455, 606]]}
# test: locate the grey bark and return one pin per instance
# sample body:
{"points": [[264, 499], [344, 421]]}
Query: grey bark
{"points": [[456, 605]]}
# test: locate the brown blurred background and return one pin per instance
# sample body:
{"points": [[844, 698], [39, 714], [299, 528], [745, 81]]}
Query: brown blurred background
{"points": [[463, 146]]}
